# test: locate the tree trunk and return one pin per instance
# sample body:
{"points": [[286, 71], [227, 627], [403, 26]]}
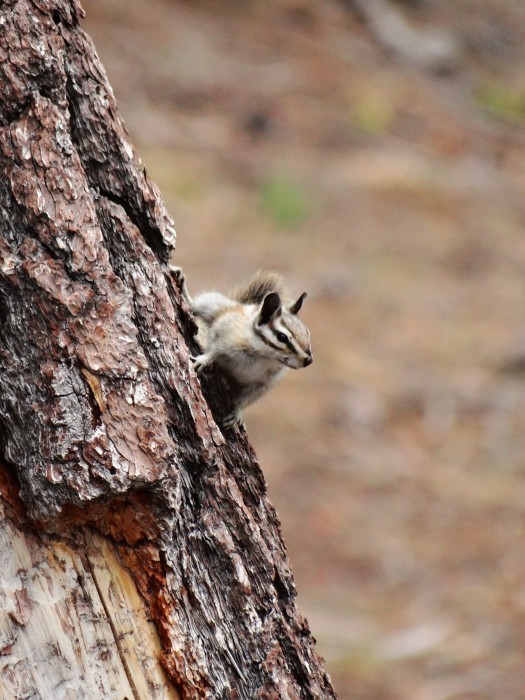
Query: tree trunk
{"points": [[103, 426]]}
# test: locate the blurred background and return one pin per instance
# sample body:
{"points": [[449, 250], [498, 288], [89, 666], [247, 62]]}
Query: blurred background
{"points": [[373, 151]]}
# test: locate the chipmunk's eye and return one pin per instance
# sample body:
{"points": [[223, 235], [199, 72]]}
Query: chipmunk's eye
{"points": [[282, 337]]}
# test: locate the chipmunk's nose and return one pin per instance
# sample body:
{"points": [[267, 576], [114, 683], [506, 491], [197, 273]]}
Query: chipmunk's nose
{"points": [[308, 360]]}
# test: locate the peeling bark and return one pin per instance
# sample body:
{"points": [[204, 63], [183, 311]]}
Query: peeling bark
{"points": [[103, 423]]}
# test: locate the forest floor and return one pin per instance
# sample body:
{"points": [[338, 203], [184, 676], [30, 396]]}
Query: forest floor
{"points": [[383, 171]]}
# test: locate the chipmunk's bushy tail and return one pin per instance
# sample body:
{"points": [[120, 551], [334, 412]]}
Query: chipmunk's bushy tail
{"points": [[255, 289]]}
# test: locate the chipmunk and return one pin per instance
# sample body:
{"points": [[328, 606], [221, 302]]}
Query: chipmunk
{"points": [[250, 335]]}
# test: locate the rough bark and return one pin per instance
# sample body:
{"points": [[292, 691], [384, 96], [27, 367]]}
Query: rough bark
{"points": [[103, 423]]}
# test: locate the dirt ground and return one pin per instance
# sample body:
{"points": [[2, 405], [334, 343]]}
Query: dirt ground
{"points": [[383, 171]]}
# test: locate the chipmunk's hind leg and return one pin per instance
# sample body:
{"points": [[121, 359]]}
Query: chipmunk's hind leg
{"points": [[231, 419]]}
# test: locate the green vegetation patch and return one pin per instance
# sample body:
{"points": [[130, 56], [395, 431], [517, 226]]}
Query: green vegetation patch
{"points": [[502, 101], [284, 201]]}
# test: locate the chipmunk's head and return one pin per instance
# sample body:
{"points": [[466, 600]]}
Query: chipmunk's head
{"points": [[284, 335]]}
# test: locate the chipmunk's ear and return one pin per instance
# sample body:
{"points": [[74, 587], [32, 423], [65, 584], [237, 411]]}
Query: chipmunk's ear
{"points": [[270, 308], [296, 307]]}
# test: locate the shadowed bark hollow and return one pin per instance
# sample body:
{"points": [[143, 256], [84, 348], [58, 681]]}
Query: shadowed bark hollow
{"points": [[103, 426]]}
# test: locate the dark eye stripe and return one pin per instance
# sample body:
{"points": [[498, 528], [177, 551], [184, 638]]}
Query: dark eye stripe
{"points": [[286, 340]]}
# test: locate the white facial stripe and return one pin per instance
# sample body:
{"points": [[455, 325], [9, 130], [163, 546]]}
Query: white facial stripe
{"points": [[266, 340], [295, 346]]}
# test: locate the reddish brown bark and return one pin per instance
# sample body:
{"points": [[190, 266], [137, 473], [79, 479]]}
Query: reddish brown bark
{"points": [[102, 419]]}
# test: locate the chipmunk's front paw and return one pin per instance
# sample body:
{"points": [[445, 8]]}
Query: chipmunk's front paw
{"points": [[200, 362]]}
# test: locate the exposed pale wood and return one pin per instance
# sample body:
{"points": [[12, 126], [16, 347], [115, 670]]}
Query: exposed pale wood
{"points": [[135, 634], [72, 624]]}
